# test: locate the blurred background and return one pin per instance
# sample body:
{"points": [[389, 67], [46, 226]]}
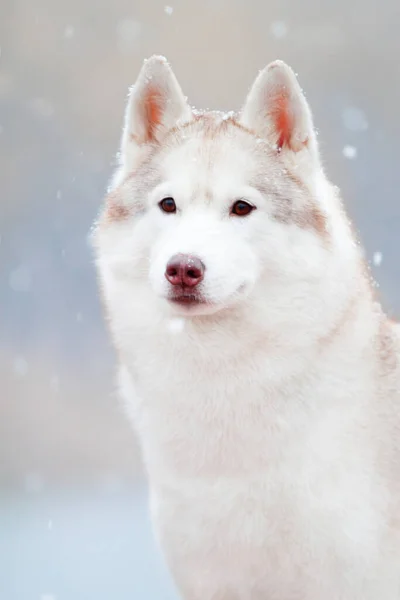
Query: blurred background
{"points": [[73, 518]]}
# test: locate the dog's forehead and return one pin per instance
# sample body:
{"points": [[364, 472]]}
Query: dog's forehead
{"points": [[211, 156], [216, 153]]}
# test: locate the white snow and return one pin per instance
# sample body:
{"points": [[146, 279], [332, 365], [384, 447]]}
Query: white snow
{"points": [[47, 596], [354, 119], [50, 524], [350, 152], [20, 279], [79, 317], [168, 10], [176, 325], [278, 29], [377, 258]]}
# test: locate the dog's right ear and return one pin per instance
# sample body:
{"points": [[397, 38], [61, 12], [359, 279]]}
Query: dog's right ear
{"points": [[156, 104]]}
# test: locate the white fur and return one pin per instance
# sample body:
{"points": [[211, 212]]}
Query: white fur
{"points": [[269, 420]]}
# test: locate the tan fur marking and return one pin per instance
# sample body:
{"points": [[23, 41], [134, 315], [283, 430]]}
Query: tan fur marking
{"points": [[310, 217], [213, 126], [134, 139], [117, 212], [317, 221], [243, 127], [114, 210], [347, 314]]}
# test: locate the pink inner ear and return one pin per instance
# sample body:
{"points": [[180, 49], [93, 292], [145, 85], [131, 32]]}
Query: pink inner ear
{"points": [[153, 105], [282, 118]]}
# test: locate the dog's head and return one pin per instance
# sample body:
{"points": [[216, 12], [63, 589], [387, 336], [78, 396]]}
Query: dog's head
{"points": [[209, 211]]}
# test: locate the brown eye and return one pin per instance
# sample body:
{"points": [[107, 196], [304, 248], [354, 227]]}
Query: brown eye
{"points": [[168, 205], [241, 208]]}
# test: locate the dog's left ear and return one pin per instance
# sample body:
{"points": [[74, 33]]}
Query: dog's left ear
{"points": [[277, 110]]}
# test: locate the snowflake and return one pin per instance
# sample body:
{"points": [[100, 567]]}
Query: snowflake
{"points": [[354, 119], [278, 29], [350, 152], [377, 258], [69, 32]]}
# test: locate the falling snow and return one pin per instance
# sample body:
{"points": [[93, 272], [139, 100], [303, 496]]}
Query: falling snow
{"points": [[69, 32], [168, 10], [350, 152], [377, 258], [278, 29], [47, 597], [354, 119]]}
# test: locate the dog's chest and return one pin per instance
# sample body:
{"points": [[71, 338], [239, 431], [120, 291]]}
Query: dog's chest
{"points": [[269, 535], [253, 520], [229, 418], [251, 485]]}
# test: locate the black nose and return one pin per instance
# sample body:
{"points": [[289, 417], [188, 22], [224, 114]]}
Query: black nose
{"points": [[184, 270]]}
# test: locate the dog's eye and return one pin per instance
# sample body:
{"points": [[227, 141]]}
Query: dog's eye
{"points": [[241, 208], [168, 205]]}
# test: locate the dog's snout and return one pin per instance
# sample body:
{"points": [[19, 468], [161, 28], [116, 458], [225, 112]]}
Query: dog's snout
{"points": [[184, 270]]}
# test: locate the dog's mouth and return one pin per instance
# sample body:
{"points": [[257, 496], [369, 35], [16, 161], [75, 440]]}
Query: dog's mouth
{"points": [[187, 299]]}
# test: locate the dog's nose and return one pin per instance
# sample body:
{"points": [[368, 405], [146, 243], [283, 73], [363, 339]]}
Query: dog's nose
{"points": [[184, 270]]}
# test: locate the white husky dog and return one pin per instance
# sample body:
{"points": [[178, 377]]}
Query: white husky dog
{"points": [[260, 372]]}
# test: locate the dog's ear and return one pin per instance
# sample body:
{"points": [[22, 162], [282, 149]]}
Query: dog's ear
{"points": [[156, 103], [277, 110]]}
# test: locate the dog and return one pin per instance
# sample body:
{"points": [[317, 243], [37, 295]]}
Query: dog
{"points": [[257, 366]]}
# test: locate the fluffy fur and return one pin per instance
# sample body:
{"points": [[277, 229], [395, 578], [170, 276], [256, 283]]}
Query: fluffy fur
{"points": [[268, 414]]}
